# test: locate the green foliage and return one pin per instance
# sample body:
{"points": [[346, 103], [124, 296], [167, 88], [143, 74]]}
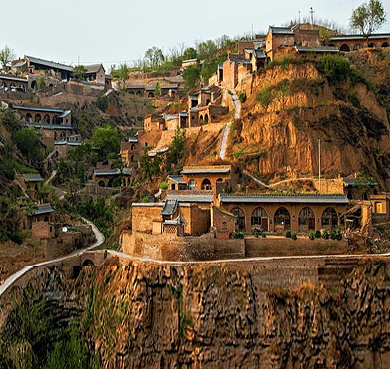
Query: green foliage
{"points": [[287, 234], [265, 98], [191, 78], [242, 97], [368, 17], [11, 216], [210, 66], [145, 200], [157, 90], [178, 150], [364, 183], [312, 235], [317, 234], [151, 165], [106, 140], [102, 102], [238, 235], [325, 235], [190, 53], [332, 235], [336, 68], [79, 72], [42, 83], [6, 56], [9, 120], [294, 236], [164, 185], [29, 144], [154, 57]]}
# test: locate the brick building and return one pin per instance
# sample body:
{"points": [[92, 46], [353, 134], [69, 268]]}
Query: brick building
{"points": [[65, 145], [40, 221], [130, 152], [112, 177]]}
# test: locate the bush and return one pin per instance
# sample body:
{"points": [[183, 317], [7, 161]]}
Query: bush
{"points": [[317, 234], [325, 235], [238, 235], [102, 102], [335, 68], [164, 185], [287, 234], [312, 235], [242, 97], [339, 236], [333, 235], [294, 236], [263, 235], [265, 97]]}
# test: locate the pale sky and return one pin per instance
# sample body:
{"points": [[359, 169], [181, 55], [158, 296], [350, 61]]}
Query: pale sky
{"points": [[121, 30]]}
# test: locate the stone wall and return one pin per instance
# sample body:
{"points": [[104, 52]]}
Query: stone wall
{"points": [[143, 216]]}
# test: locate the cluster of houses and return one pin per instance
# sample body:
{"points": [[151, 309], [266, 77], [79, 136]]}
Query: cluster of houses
{"points": [[25, 74], [200, 201], [254, 55]]}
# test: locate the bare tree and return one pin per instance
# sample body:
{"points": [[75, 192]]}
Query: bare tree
{"points": [[6, 56]]}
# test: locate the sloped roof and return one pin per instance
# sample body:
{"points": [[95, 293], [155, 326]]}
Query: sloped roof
{"points": [[170, 207], [206, 170], [319, 49], [177, 179], [42, 209], [32, 177], [94, 68], [47, 126], [38, 108], [274, 199], [11, 77], [112, 172], [190, 197], [49, 64], [281, 30]]}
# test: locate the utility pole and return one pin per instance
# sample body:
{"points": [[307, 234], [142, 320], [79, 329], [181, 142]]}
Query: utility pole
{"points": [[319, 164], [299, 17], [253, 36], [78, 60]]}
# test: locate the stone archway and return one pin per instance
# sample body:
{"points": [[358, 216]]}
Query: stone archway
{"points": [[345, 48], [5, 87], [206, 185], [358, 46], [150, 95], [88, 262], [34, 85], [371, 44], [206, 118], [29, 118], [101, 184], [46, 119], [38, 118], [306, 220], [110, 183], [192, 184], [201, 119], [259, 219], [329, 219], [282, 220]]}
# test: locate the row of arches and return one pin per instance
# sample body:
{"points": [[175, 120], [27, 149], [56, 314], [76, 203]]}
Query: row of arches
{"points": [[358, 46], [205, 185], [13, 87], [39, 119], [282, 219], [204, 118]]}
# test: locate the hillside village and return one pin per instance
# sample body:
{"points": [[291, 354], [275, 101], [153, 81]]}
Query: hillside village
{"points": [[183, 173]]}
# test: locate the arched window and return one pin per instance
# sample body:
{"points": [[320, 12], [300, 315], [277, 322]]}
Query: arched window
{"points": [[132, 147], [192, 184], [139, 93], [350, 195], [371, 44], [34, 85], [206, 118], [260, 219], [38, 118], [151, 95], [101, 184], [5, 87], [329, 219], [345, 48], [46, 218], [358, 47], [240, 223], [206, 185], [306, 220], [22, 88], [29, 118], [132, 158], [46, 119], [12, 86], [385, 44], [63, 135], [282, 219], [201, 119], [207, 101], [110, 183]]}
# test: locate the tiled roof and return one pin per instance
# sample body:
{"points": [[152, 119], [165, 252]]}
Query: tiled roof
{"points": [[276, 199], [281, 30], [171, 116], [170, 207], [260, 53], [321, 49], [351, 182], [215, 170], [136, 87], [38, 108], [13, 78], [94, 68], [359, 37], [112, 172], [182, 197], [47, 126], [31, 177], [49, 64], [183, 113], [65, 114], [177, 179], [42, 209], [133, 139]]}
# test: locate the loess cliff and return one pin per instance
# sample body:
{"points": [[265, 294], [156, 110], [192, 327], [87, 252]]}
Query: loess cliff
{"points": [[291, 106], [290, 315]]}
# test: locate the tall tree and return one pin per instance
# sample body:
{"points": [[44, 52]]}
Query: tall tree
{"points": [[106, 140], [6, 56], [79, 72], [154, 56], [191, 77], [368, 17], [123, 73]]}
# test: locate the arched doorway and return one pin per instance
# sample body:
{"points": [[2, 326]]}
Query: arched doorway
{"points": [[240, 222], [5, 87], [371, 44], [88, 262], [282, 220], [306, 220], [385, 44], [151, 95], [329, 219], [345, 48], [29, 118], [206, 118], [358, 47], [201, 119], [46, 119], [101, 184], [350, 195], [260, 219], [207, 101], [192, 184], [206, 185], [22, 88], [34, 85], [139, 93], [12, 87], [132, 159], [38, 118], [110, 183]]}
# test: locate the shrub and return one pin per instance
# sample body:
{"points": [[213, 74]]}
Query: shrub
{"points": [[263, 235], [339, 236], [325, 235], [294, 236], [287, 234], [317, 234], [164, 185], [333, 235], [335, 68], [102, 102], [312, 235], [242, 97], [239, 235], [265, 97], [145, 200]]}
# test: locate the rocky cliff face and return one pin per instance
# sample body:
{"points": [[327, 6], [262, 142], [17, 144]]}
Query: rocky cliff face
{"points": [[310, 315], [289, 108]]}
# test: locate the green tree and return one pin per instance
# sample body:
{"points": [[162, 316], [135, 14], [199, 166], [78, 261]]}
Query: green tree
{"points": [[151, 165], [42, 83], [9, 120], [79, 72], [190, 53], [157, 90], [106, 140], [177, 151], [154, 56], [335, 67], [29, 144], [123, 73], [191, 78], [364, 183], [368, 17], [6, 56]]}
